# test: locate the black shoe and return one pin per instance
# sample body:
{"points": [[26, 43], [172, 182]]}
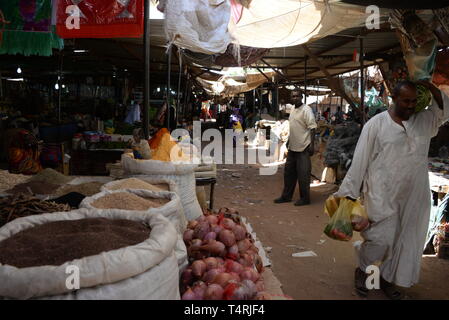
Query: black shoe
{"points": [[281, 200], [302, 202], [360, 283]]}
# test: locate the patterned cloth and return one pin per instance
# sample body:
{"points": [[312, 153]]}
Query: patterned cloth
{"points": [[23, 153]]}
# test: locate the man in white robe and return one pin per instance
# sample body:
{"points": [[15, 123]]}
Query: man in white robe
{"points": [[390, 171]]}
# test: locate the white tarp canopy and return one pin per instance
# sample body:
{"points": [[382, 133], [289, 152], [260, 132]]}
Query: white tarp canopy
{"points": [[207, 26], [284, 23]]}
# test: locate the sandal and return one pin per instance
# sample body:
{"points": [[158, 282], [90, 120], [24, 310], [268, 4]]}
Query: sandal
{"points": [[390, 290], [360, 283]]}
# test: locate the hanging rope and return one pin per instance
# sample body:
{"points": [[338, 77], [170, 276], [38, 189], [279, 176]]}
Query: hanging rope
{"points": [[167, 120], [3, 23]]}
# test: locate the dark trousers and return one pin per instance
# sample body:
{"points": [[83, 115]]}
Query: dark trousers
{"points": [[298, 167]]}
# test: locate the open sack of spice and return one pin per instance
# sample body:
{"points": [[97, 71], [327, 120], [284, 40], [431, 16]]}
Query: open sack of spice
{"points": [[115, 255], [224, 262], [132, 201], [345, 216]]}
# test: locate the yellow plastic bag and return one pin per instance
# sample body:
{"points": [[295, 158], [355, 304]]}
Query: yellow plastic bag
{"points": [[340, 226], [331, 205], [344, 214], [359, 217]]}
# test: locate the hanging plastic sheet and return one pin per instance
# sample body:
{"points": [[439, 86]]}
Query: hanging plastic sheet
{"points": [[282, 23], [198, 25], [25, 28], [100, 18], [235, 56]]}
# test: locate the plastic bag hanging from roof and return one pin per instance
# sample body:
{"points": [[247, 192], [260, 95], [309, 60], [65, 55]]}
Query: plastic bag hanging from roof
{"points": [[198, 25]]}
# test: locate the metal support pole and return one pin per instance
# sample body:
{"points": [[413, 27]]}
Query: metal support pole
{"points": [[179, 84], [276, 100], [362, 82], [146, 91], [305, 80], [167, 120], [1, 86], [61, 57]]}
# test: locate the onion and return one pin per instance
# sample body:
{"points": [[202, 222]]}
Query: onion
{"points": [[227, 237], [211, 263], [222, 279], [232, 266], [201, 218], [210, 275], [251, 288], [194, 246], [199, 255], [188, 295], [217, 229], [186, 276], [192, 224], [235, 276], [214, 247], [213, 292], [220, 261], [188, 235], [233, 252], [201, 230], [210, 236], [227, 224], [198, 268], [250, 274], [198, 289], [212, 219], [244, 245], [248, 260], [235, 291], [239, 232]]}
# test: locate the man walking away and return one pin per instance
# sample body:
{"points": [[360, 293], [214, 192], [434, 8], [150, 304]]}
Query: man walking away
{"points": [[298, 166]]}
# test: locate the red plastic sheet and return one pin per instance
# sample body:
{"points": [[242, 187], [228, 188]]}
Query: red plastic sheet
{"points": [[100, 19]]}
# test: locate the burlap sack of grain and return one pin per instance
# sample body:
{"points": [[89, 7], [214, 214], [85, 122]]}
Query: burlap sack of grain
{"points": [[146, 271], [183, 174], [198, 25]]}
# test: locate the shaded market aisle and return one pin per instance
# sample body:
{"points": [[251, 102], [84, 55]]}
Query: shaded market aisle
{"points": [[288, 229]]}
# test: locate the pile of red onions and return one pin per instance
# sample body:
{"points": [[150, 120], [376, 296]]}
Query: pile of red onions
{"points": [[224, 263]]}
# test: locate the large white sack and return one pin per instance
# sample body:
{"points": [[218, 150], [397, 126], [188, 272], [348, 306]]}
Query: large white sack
{"points": [[141, 287], [198, 25], [112, 267], [183, 174]]}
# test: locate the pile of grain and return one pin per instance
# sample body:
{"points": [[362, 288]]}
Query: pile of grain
{"points": [[88, 189], [10, 180], [127, 201], [51, 176], [162, 186], [35, 187], [133, 183], [58, 242]]}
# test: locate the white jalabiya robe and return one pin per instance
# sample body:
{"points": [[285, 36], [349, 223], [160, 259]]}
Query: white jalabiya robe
{"points": [[390, 170]]}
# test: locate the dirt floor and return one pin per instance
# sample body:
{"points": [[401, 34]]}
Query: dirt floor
{"points": [[287, 229]]}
